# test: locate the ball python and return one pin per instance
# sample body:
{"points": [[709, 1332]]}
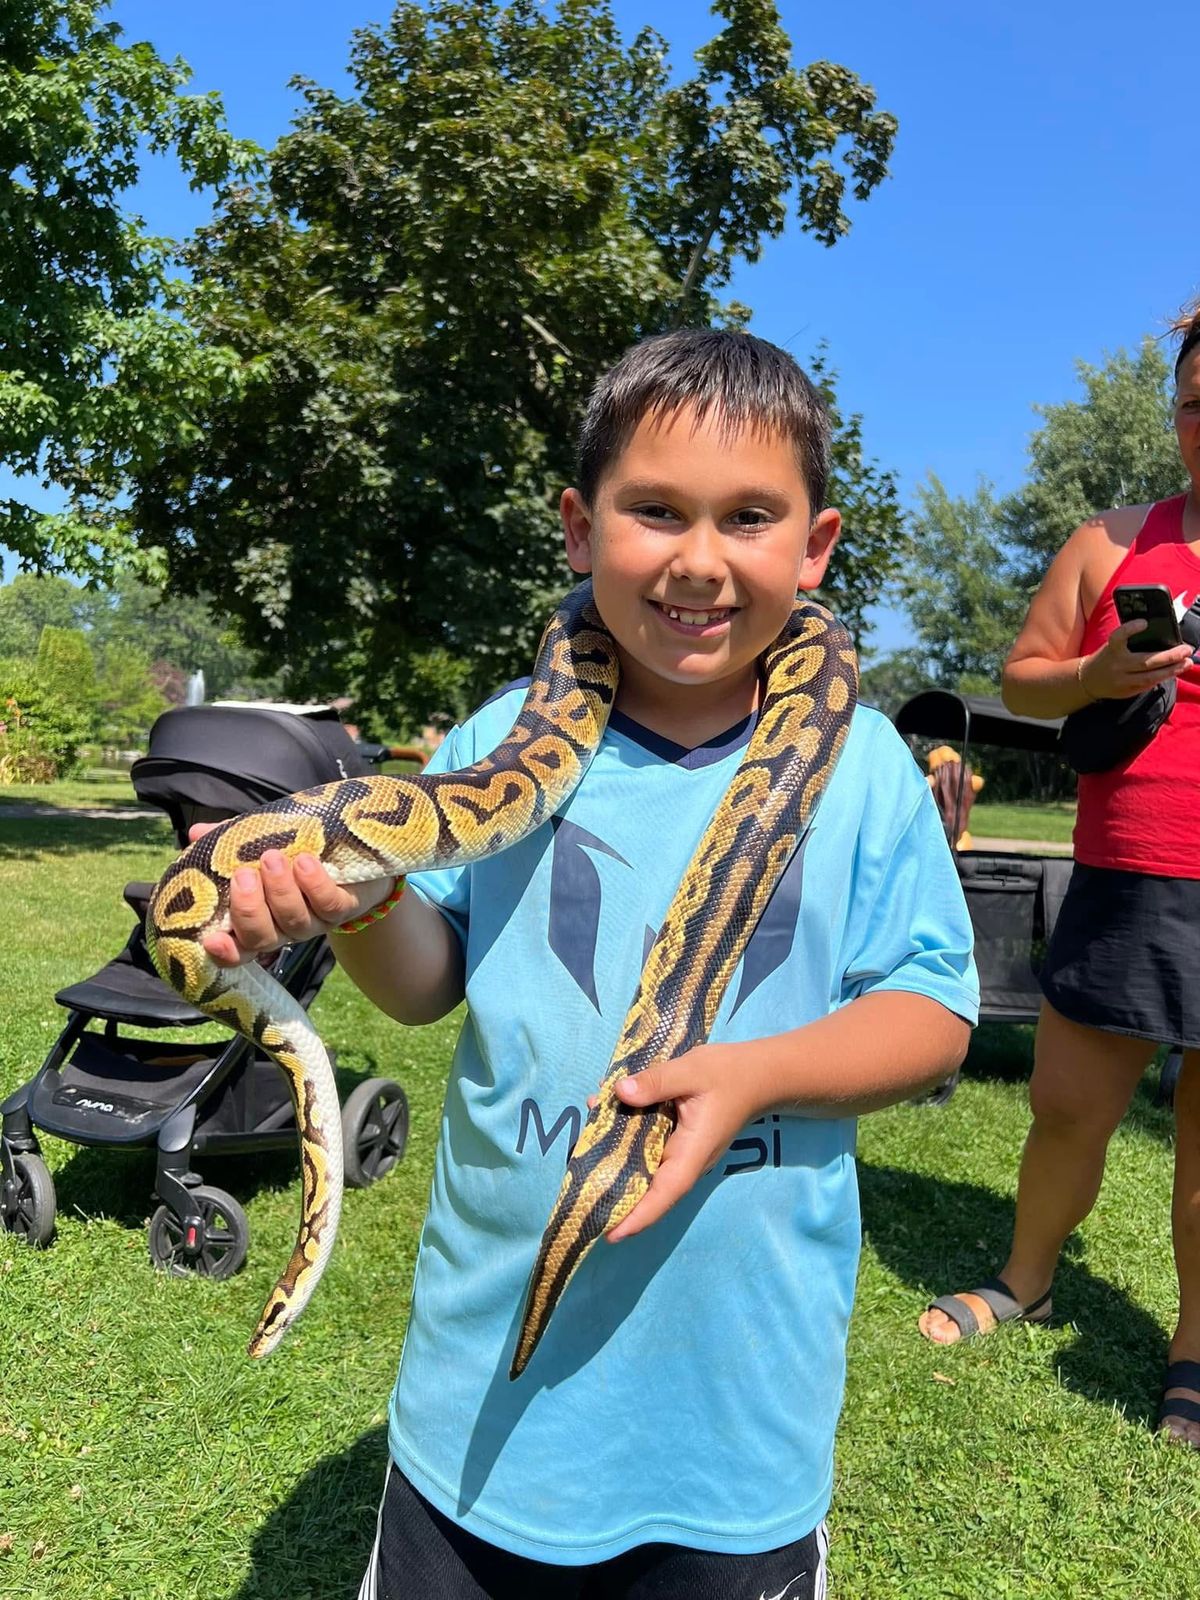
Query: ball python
{"points": [[374, 827]]}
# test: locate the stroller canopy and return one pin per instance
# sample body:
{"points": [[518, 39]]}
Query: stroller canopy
{"points": [[235, 758], [974, 718]]}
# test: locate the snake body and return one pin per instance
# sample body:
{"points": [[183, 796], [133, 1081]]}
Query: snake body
{"points": [[369, 828]]}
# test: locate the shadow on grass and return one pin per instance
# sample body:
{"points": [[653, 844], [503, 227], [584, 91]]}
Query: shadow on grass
{"points": [[940, 1236], [23, 838], [315, 1545]]}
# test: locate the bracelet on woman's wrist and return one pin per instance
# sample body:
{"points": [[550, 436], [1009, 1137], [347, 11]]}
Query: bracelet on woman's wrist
{"points": [[376, 914], [1079, 679]]}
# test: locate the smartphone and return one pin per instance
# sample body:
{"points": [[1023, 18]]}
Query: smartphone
{"points": [[1153, 603]]}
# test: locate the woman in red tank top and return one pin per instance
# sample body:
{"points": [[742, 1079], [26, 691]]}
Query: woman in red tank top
{"points": [[1122, 974]]}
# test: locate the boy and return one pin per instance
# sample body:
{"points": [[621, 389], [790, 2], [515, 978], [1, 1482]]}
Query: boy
{"points": [[673, 1434]]}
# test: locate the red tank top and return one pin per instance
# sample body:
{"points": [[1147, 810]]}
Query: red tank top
{"points": [[1145, 816]]}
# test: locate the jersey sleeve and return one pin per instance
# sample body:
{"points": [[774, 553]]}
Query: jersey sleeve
{"points": [[908, 926]]}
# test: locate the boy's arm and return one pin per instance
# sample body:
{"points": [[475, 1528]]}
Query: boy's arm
{"points": [[410, 964], [881, 1048]]}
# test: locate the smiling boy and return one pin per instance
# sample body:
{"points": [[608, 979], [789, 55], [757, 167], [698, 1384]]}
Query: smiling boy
{"points": [[673, 1434]]}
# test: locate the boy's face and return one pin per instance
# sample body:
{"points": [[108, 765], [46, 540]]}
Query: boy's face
{"points": [[697, 546]]}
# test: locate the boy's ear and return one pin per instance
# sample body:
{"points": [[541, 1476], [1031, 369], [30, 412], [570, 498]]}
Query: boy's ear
{"points": [[822, 537], [577, 526]]}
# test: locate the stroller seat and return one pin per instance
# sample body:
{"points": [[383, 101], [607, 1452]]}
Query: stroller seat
{"points": [[129, 990]]}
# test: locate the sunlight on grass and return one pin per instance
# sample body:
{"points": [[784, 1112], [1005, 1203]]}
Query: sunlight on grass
{"points": [[142, 1457]]}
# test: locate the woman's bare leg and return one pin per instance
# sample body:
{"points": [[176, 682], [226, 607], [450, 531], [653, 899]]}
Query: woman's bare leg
{"points": [[1083, 1080]]}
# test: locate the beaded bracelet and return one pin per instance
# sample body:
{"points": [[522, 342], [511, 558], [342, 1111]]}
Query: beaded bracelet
{"points": [[376, 914], [1079, 679]]}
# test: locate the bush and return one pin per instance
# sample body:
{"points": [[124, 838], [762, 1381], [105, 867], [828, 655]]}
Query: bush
{"points": [[41, 733]]}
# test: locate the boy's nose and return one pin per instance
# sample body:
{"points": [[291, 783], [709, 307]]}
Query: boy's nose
{"points": [[698, 555]]}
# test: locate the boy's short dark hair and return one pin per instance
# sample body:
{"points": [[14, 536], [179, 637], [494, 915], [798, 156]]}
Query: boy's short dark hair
{"points": [[748, 381]]}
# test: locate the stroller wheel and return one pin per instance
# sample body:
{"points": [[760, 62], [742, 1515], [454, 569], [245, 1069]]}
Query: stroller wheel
{"points": [[215, 1248], [27, 1203], [374, 1131]]}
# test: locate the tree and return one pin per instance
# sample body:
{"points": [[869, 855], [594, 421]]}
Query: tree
{"points": [[1113, 447], [95, 365], [875, 541], [961, 592], [67, 667], [888, 682], [127, 699], [180, 634], [419, 296], [30, 603]]}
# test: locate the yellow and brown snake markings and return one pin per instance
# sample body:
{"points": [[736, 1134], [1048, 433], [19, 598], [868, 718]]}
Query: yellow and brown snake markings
{"points": [[367, 828]]}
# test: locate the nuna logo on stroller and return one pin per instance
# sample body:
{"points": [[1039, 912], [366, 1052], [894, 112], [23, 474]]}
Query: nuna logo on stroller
{"points": [[98, 1086]]}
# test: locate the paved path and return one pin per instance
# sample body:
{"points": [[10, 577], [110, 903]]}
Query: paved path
{"points": [[22, 810], [1027, 847]]}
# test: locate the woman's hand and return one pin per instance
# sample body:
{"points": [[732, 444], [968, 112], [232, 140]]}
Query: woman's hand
{"points": [[284, 902], [1115, 672]]}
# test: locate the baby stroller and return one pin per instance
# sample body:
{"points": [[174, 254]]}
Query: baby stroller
{"points": [[98, 1086]]}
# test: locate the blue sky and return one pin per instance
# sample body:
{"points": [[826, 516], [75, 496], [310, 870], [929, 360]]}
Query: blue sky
{"points": [[1038, 212]]}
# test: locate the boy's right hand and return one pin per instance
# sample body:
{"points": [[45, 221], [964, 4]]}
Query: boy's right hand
{"points": [[1115, 672], [285, 902]]}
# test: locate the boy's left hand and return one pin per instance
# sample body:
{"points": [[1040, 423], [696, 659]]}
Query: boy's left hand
{"points": [[715, 1097]]}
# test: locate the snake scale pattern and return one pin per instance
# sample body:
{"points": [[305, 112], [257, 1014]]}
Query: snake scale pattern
{"points": [[368, 828]]}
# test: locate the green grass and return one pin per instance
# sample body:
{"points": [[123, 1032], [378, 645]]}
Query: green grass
{"points": [[1053, 821], [99, 786], [143, 1458]]}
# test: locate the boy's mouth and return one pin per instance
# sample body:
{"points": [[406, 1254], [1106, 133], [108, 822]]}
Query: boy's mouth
{"points": [[683, 620]]}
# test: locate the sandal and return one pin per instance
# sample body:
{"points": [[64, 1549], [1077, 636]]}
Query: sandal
{"points": [[1005, 1307], [1179, 1375]]}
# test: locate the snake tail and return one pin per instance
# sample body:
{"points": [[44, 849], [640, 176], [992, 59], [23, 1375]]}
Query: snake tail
{"points": [[811, 676]]}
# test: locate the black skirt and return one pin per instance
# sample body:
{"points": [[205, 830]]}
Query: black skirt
{"points": [[1125, 955]]}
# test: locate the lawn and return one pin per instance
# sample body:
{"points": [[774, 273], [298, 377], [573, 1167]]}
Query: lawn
{"points": [[142, 1457], [1053, 821], [97, 786]]}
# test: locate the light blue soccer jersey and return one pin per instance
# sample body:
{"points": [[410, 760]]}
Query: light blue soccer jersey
{"points": [[689, 1383]]}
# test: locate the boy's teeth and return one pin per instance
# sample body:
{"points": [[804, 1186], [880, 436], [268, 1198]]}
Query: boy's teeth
{"points": [[693, 619]]}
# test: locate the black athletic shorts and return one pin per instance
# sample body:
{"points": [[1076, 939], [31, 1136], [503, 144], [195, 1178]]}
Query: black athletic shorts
{"points": [[1125, 955], [421, 1555]]}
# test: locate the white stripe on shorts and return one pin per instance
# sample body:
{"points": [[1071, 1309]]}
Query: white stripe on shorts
{"points": [[822, 1588], [369, 1588]]}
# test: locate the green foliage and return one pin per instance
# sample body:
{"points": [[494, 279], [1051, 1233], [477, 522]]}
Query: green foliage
{"points": [[962, 594], [1113, 447], [175, 634], [888, 682], [66, 665], [30, 603], [43, 729], [95, 364], [875, 543], [418, 297], [127, 699], [180, 632]]}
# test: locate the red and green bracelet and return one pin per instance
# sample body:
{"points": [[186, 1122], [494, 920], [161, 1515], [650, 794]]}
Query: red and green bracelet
{"points": [[376, 914]]}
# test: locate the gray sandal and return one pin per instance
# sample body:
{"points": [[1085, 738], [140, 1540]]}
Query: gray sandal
{"points": [[1180, 1375], [1000, 1301]]}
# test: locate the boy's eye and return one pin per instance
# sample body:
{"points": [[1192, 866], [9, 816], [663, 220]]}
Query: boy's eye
{"points": [[654, 512], [750, 517]]}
